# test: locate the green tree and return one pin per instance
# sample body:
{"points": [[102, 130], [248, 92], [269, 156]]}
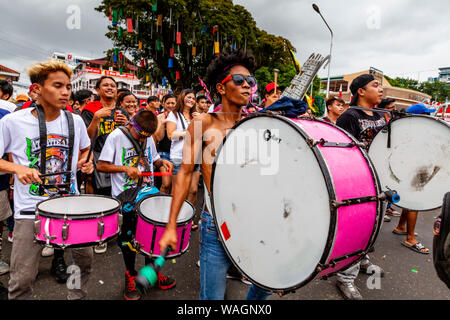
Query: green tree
{"points": [[195, 19], [437, 90]]}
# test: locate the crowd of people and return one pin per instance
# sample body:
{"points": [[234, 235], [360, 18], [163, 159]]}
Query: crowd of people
{"points": [[112, 124]]}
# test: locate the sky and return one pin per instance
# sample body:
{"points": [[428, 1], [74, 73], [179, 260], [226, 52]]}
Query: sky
{"points": [[404, 38]]}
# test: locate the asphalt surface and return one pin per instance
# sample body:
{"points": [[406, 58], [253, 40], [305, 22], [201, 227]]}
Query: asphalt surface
{"points": [[409, 275]]}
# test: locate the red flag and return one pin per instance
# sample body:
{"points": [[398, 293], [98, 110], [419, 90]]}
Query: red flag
{"points": [[129, 25]]}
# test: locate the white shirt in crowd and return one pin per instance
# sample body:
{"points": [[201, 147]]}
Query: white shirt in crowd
{"points": [[176, 149], [119, 150], [20, 137], [7, 105]]}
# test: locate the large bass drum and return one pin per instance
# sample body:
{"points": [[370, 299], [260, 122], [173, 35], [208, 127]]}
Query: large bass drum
{"points": [[293, 200], [413, 158]]}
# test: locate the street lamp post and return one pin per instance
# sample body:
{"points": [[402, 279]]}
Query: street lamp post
{"points": [[316, 8]]}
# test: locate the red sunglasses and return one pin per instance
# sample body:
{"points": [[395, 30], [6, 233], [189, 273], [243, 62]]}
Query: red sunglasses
{"points": [[239, 79]]}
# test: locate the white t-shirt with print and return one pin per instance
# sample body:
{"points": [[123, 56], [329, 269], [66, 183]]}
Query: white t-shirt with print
{"points": [[119, 150], [20, 137], [176, 149]]}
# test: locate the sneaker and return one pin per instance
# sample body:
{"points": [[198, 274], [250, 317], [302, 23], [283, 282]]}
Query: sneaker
{"points": [[165, 283], [4, 267], [387, 218], [393, 213], [130, 292], [349, 291], [101, 248], [47, 251], [59, 270], [198, 263], [371, 269], [10, 237]]}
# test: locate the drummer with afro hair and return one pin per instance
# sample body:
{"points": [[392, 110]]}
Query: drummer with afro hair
{"points": [[230, 75]]}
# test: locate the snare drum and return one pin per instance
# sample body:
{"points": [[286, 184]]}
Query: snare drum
{"points": [[293, 200], [77, 221], [153, 215], [416, 164]]}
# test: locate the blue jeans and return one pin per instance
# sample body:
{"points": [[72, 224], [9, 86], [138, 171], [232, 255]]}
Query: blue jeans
{"points": [[214, 264], [177, 166], [165, 155]]}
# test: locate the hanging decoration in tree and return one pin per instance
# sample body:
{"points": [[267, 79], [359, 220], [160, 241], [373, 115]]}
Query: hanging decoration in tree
{"points": [[172, 52], [170, 63], [120, 32], [204, 29], [177, 75], [158, 45], [129, 25], [178, 40], [216, 42], [155, 6], [110, 14], [116, 53], [115, 18]]}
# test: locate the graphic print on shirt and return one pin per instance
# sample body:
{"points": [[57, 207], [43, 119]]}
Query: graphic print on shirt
{"points": [[107, 126], [129, 159], [369, 129], [57, 156]]}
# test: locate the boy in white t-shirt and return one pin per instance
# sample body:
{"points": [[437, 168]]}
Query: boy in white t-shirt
{"points": [[129, 151], [20, 132]]}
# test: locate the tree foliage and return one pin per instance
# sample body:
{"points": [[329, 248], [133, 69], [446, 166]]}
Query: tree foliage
{"points": [[195, 19], [438, 90]]}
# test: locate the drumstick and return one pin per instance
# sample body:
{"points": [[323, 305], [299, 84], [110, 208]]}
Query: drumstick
{"points": [[276, 71], [148, 275], [157, 174]]}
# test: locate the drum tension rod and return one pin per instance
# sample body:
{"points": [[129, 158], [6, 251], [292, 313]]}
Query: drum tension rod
{"points": [[323, 143], [334, 262], [334, 204]]}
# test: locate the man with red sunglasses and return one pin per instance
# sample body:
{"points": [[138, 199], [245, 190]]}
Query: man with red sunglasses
{"points": [[230, 76]]}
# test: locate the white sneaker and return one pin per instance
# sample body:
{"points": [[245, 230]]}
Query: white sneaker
{"points": [[10, 237], [4, 267], [101, 248], [47, 251]]}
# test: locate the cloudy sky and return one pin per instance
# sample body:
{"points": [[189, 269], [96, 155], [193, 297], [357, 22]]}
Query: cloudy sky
{"points": [[401, 37]]}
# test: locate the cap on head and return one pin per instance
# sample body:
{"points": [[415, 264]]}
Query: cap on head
{"points": [[358, 83], [270, 87], [419, 108]]}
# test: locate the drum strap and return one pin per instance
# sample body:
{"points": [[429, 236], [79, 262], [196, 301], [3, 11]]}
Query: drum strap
{"points": [[43, 145], [207, 202]]}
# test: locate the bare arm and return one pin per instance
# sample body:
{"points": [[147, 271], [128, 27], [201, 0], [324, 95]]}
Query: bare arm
{"points": [[104, 166], [191, 150], [172, 133], [24, 174], [159, 133]]}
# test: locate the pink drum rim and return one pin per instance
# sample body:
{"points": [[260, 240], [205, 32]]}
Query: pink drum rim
{"points": [[158, 223], [80, 245], [78, 217], [331, 192]]}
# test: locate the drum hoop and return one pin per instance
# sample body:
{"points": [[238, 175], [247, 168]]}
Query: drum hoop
{"points": [[87, 216], [159, 223], [80, 245], [417, 116], [331, 193]]}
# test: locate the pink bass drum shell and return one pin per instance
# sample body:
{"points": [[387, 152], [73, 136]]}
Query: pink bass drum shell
{"points": [[153, 215], [316, 215], [77, 221]]}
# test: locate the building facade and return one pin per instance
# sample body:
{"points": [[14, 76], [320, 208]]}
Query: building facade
{"points": [[404, 97]]}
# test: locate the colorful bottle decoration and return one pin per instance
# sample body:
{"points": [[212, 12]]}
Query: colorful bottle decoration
{"points": [[170, 63], [194, 51], [116, 53], [158, 45], [110, 15], [155, 6], [120, 33], [172, 52], [216, 47], [140, 45], [177, 75], [164, 82], [160, 20], [178, 38]]}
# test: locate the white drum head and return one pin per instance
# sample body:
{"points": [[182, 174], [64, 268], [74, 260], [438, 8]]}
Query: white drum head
{"points": [[78, 205], [417, 165], [272, 199], [157, 208]]}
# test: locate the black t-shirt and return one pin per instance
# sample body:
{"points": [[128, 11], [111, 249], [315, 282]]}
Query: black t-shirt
{"points": [[362, 126], [107, 125]]}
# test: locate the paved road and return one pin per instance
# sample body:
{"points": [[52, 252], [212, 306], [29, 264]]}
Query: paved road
{"points": [[400, 282]]}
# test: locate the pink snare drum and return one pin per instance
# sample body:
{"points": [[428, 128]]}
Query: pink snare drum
{"points": [[293, 200], [77, 221], [153, 215]]}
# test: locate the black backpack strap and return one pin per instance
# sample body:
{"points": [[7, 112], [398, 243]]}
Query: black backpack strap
{"points": [[182, 121], [71, 128]]}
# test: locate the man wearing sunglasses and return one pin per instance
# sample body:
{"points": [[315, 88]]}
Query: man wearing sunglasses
{"points": [[230, 76]]}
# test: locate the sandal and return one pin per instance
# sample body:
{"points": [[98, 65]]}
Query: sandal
{"points": [[418, 247], [403, 233]]}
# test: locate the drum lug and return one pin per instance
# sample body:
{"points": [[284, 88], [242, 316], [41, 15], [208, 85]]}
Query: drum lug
{"points": [[120, 220], [65, 231], [37, 226], [137, 246], [100, 229]]}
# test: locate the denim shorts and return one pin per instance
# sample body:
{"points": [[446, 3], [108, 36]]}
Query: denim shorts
{"points": [[165, 155], [177, 166]]}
